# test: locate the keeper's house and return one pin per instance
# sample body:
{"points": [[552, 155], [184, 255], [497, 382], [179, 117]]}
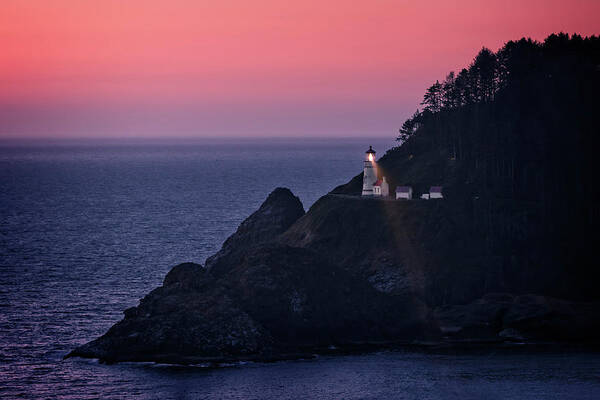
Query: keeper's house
{"points": [[404, 192], [381, 188], [435, 192]]}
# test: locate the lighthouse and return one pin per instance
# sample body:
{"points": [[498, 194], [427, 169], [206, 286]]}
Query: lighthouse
{"points": [[370, 172]]}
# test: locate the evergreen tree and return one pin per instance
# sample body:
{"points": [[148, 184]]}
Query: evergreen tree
{"points": [[409, 127], [450, 96], [484, 72], [433, 98]]}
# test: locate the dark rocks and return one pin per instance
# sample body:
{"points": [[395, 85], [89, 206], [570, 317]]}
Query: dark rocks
{"points": [[277, 213], [277, 300], [260, 299], [181, 322], [499, 317], [382, 242], [303, 300], [350, 272], [185, 275]]}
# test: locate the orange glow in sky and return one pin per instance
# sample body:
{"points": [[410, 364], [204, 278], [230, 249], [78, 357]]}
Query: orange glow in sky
{"points": [[246, 68]]}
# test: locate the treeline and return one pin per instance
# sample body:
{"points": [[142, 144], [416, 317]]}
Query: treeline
{"points": [[514, 137], [517, 66], [522, 121]]}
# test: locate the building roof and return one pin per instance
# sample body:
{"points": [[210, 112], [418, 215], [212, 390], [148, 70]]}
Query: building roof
{"points": [[435, 189], [403, 189], [370, 150], [378, 183]]}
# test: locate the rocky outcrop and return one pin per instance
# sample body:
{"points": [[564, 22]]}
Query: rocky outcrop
{"points": [[189, 319], [350, 272], [304, 300], [412, 248], [522, 318], [277, 213], [260, 299], [371, 239], [278, 301]]}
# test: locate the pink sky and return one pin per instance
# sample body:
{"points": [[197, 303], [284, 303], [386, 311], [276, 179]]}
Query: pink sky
{"points": [[72, 68]]}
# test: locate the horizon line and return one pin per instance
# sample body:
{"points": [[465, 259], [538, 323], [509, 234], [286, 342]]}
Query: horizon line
{"points": [[184, 138]]}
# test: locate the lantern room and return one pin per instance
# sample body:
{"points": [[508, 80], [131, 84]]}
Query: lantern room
{"points": [[370, 154]]}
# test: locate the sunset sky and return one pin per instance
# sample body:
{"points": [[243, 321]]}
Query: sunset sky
{"points": [[116, 68]]}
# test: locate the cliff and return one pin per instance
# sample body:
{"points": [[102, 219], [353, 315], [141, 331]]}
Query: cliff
{"points": [[278, 212], [261, 299], [350, 272]]}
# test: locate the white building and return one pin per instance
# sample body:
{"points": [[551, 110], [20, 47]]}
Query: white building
{"points": [[370, 172], [425, 196], [404, 192], [381, 188], [435, 192]]}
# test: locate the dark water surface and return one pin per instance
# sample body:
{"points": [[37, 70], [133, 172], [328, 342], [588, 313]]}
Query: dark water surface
{"points": [[88, 228]]}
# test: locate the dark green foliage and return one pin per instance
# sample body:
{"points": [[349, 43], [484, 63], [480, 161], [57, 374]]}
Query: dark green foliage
{"points": [[519, 72], [433, 98], [409, 127], [519, 131]]}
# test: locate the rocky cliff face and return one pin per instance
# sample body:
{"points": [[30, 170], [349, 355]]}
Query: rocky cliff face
{"points": [[415, 248], [190, 315], [260, 298], [521, 318], [351, 271], [492, 239], [277, 213]]}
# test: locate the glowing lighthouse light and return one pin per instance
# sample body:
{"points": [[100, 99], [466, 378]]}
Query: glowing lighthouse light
{"points": [[370, 172]]}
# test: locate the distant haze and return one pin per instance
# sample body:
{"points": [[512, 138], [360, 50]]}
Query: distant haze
{"points": [[114, 68]]}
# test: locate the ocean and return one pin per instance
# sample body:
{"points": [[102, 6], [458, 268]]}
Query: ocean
{"points": [[88, 227]]}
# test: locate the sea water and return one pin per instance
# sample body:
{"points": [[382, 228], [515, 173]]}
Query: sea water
{"points": [[88, 227]]}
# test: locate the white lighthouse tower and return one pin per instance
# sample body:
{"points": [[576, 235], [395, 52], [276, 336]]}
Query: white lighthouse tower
{"points": [[370, 172]]}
